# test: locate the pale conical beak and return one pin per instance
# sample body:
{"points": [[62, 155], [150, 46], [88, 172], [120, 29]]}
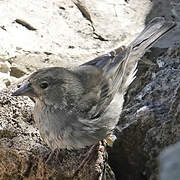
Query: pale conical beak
{"points": [[24, 90]]}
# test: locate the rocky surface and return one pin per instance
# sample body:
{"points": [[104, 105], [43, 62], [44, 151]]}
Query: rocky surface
{"points": [[45, 33], [36, 34]]}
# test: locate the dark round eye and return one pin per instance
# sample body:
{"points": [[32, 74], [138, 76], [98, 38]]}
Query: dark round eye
{"points": [[44, 85]]}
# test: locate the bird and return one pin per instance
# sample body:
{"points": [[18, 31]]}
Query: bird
{"points": [[77, 107]]}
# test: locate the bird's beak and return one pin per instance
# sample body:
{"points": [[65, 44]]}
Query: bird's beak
{"points": [[24, 90]]}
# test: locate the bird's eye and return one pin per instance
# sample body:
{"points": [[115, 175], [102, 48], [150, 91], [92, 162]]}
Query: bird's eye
{"points": [[44, 85]]}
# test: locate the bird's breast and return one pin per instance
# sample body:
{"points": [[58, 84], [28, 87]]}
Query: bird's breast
{"points": [[62, 129]]}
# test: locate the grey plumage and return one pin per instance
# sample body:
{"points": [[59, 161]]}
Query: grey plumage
{"points": [[77, 107]]}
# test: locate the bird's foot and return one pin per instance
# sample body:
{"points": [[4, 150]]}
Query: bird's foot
{"points": [[56, 154], [88, 157]]}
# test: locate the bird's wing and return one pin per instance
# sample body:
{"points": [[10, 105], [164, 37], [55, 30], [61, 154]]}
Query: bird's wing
{"points": [[105, 75]]}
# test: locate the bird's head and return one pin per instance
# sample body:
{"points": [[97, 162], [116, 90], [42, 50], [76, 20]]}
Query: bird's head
{"points": [[53, 86]]}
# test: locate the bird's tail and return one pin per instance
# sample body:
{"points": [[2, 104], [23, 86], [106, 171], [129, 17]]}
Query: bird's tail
{"points": [[153, 31]]}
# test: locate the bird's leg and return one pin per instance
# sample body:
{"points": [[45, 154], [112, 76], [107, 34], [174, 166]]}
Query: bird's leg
{"points": [[60, 153], [49, 156], [89, 154], [54, 154], [101, 147]]}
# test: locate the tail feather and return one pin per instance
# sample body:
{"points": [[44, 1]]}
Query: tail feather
{"points": [[145, 40], [154, 30]]}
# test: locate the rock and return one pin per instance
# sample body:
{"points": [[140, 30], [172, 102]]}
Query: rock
{"points": [[57, 32], [5, 80], [118, 30], [5, 67], [17, 72], [170, 163]]}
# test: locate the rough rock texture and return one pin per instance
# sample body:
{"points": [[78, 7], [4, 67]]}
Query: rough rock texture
{"points": [[45, 33], [36, 34]]}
